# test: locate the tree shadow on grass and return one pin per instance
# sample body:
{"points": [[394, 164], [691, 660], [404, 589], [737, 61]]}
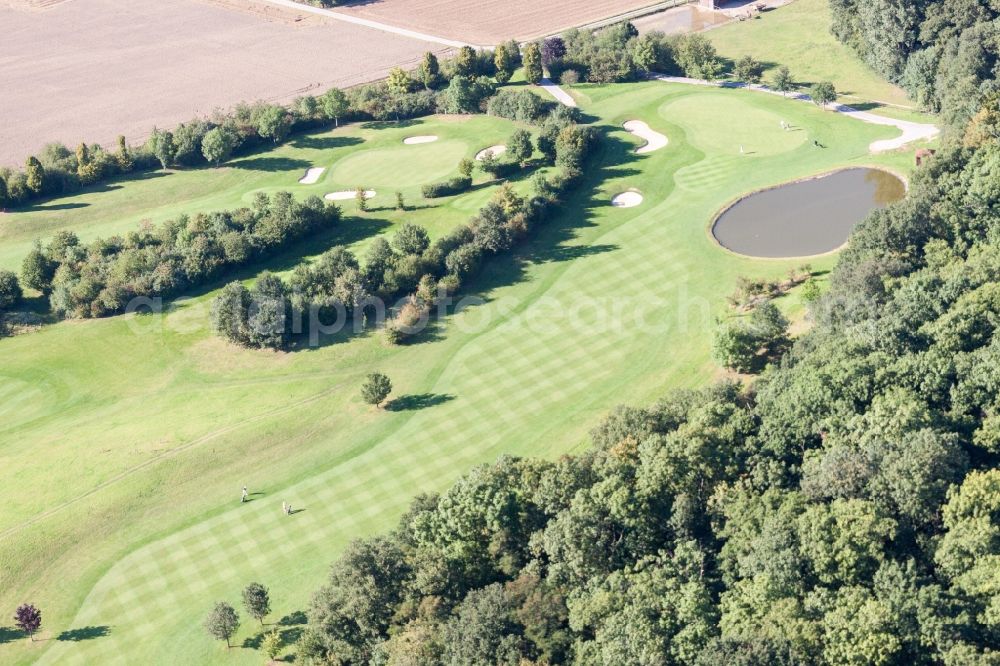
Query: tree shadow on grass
{"points": [[293, 618], [84, 633], [253, 642], [271, 164], [387, 124], [326, 142], [417, 401], [7, 635]]}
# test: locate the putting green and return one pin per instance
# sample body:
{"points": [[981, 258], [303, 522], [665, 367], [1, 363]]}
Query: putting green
{"points": [[140, 469], [719, 124], [404, 166]]}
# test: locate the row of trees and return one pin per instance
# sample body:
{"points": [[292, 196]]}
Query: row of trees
{"points": [[102, 277], [457, 85], [338, 287]]}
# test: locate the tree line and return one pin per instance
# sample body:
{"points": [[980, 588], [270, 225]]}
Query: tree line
{"points": [[337, 287], [455, 85], [102, 277], [842, 509]]}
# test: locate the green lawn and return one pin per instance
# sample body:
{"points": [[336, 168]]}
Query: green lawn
{"points": [[127, 440], [798, 36]]}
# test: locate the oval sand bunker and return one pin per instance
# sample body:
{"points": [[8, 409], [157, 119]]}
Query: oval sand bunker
{"points": [[654, 140], [497, 151], [424, 138], [312, 175], [347, 194], [807, 217], [626, 200]]}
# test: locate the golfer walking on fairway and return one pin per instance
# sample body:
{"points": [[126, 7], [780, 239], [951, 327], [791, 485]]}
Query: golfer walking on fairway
{"points": [[244, 497]]}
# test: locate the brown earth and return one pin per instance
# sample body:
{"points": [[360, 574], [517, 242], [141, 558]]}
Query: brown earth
{"points": [[481, 22], [92, 69]]}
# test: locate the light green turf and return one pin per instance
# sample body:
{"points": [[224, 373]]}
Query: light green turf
{"points": [[798, 36], [602, 306], [367, 154], [725, 124]]}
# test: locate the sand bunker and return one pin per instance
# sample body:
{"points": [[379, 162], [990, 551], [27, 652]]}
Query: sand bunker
{"points": [[626, 200], [496, 150], [654, 140], [312, 175], [424, 138], [347, 194]]}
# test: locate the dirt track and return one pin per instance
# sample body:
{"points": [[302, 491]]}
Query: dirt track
{"points": [[93, 69], [481, 22]]}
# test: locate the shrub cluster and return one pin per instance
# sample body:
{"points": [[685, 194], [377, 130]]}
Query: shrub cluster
{"points": [[102, 277], [455, 185], [409, 265]]}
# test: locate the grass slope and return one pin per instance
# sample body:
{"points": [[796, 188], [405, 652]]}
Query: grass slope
{"points": [[605, 305], [798, 35]]}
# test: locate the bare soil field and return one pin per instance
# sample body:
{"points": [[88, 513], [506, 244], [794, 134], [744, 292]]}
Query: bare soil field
{"points": [[92, 69], [481, 22]]}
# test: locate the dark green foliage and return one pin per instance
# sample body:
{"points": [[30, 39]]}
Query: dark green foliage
{"points": [[103, 277], [376, 388], [519, 146], [10, 290], [844, 508], [749, 70], [256, 601], [783, 81], [943, 52], [455, 185], [520, 105], [222, 622], [823, 93], [613, 54]]}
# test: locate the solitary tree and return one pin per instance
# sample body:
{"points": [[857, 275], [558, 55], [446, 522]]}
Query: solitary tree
{"points": [[823, 93], [519, 146], [430, 70], [400, 201], [376, 388], [334, 104], [271, 645], [222, 622], [217, 145], [257, 601], [782, 80], [361, 197], [28, 619], [504, 63], [748, 69], [466, 166], [34, 174], [532, 63]]}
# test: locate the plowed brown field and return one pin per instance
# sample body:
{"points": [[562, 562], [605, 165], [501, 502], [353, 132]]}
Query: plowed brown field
{"points": [[481, 22], [93, 69]]}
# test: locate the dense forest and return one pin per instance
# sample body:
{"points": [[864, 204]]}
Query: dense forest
{"points": [[844, 508], [945, 54]]}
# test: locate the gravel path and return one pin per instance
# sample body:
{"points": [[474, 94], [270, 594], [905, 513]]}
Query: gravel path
{"points": [[561, 95], [911, 131]]}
